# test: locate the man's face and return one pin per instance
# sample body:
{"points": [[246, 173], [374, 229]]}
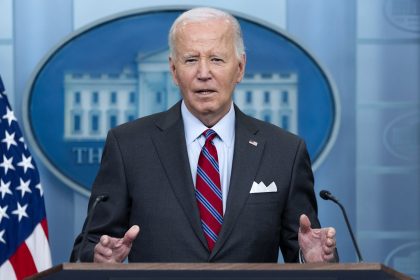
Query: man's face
{"points": [[206, 68]]}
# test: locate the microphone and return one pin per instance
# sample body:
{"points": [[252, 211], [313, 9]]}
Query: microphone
{"points": [[326, 195], [89, 220]]}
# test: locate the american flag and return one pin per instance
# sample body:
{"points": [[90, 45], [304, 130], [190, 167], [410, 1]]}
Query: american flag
{"points": [[24, 248]]}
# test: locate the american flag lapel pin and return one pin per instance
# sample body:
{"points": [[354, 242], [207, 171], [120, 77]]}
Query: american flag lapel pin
{"points": [[253, 143]]}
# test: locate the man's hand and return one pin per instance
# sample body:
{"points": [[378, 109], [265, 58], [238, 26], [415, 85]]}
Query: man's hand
{"points": [[115, 250], [317, 245]]}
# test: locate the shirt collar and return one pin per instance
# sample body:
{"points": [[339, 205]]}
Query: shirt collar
{"points": [[193, 127]]}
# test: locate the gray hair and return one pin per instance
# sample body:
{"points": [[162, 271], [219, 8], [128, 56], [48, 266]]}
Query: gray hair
{"points": [[204, 14]]}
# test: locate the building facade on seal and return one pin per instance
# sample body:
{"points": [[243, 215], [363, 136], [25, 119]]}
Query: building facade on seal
{"points": [[95, 103]]}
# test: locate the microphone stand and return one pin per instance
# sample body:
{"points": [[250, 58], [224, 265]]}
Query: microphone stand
{"points": [[328, 196], [89, 220]]}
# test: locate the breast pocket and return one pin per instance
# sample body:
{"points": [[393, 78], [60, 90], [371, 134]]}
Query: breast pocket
{"points": [[262, 198]]}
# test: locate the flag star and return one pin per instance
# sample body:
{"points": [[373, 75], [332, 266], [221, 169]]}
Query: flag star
{"points": [[10, 116], [24, 187], [3, 213], [26, 163], [21, 211], [41, 190], [1, 236], [4, 188], [9, 139], [22, 140], [7, 164]]}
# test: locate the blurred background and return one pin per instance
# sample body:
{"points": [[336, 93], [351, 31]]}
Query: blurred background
{"points": [[371, 50]]}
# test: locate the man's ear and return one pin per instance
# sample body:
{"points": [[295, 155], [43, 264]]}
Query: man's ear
{"points": [[172, 68], [241, 68]]}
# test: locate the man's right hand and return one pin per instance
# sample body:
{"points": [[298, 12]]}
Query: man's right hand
{"points": [[115, 250]]}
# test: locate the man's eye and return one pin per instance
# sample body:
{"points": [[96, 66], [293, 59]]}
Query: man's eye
{"points": [[190, 60], [216, 59]]}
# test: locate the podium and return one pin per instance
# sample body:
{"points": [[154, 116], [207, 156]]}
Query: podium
{"points": [[207, 271]]}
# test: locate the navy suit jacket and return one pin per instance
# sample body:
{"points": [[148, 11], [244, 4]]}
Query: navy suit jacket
{"points": [[145, 172]]}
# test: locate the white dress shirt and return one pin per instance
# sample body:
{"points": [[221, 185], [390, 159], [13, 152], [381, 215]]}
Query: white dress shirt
{"points": [[224, 143]]}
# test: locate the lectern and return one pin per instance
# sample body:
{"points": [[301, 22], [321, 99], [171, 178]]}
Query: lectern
{"points": [[207, 271]]}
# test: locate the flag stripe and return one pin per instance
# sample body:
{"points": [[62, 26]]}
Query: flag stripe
{"points": [[22, 262], [7, 272], [39, 248], [45, 227]]}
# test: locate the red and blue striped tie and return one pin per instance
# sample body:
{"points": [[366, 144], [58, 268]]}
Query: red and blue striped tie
{"points": [[208, 190]]}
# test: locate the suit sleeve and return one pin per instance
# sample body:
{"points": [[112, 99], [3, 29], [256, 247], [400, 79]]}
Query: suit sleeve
{"points": [[111, 217], [301, 200]]}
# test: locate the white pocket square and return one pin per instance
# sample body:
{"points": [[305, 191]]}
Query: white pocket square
{"points": [[262, 188]]}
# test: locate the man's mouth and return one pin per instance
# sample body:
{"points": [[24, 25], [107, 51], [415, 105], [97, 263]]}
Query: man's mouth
{"points": [[205, 91]]}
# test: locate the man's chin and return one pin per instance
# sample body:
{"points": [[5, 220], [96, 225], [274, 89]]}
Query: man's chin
{"points": [[210, 116]]}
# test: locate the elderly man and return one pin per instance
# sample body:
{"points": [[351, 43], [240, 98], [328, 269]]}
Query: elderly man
{"points": [[203, 181]]}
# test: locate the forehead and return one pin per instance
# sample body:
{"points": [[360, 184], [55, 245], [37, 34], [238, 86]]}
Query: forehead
{"points": [[190, 32]]}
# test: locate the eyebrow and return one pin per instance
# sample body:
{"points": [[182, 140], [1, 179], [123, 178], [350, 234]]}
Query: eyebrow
{"points": [[188, 55]]}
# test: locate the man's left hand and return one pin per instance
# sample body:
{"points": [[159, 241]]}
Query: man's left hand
{"points": [[317, 245]]}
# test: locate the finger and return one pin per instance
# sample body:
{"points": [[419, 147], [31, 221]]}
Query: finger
{"points": [[331, 232], [331, 242], [330, 237], [105, 240], [131, 235], [329, 258], [327, 239], [98, 258], [108, 241], [327, 250], [101, 250], [304, 223]]}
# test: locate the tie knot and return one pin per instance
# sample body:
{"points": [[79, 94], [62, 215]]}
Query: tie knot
{"points": [[209, 134]]}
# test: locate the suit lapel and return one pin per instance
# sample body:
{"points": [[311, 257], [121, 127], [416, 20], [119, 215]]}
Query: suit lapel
{"points": [[245, 165], [171, 148]]}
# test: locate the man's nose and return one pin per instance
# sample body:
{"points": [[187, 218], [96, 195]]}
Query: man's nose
{"points": [[203, 71]]}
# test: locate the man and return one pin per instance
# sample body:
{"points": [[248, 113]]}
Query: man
{"points": [[189, 177]]}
